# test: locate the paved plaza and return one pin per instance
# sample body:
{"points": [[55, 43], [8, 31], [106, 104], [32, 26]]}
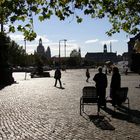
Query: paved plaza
{"points": [[33, 109]]}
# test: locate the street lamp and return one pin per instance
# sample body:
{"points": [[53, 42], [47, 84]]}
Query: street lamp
{"points": [[60, 48], [25, 58], [65, 47]]}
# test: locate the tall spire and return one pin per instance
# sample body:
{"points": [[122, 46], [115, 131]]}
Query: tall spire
{"points": [[40, 42], [48, 52], [105, 48], [110, 46]]}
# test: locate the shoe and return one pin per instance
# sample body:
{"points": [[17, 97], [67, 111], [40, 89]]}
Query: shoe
{"points": [[103, 107]]}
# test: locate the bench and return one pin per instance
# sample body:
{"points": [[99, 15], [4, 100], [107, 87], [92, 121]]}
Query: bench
{"points": [[122, 96], [89, 97]]}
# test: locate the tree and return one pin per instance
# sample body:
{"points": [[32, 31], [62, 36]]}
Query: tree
{"points": [[74, 53], [5, 70], [75, 58], [16, 54], [122, 14]]}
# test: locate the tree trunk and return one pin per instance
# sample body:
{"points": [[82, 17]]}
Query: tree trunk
{"points": [[5, 69]]}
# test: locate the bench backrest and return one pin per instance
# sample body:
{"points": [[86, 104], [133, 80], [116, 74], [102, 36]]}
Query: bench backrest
{"points": [[89, 92], [122, 93]]}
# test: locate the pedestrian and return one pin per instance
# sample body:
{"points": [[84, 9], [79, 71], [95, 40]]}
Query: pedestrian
{"points": [[114, 86], [57, 77], [101, 84], [126, 70], [87, 75], [106, 70]]}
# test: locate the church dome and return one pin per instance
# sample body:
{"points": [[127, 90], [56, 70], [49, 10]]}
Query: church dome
{"points": [[40, 48]]}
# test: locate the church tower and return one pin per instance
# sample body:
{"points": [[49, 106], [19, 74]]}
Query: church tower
{"points": [[105, 48], [40, 48], [48, 52], [79, 52]]}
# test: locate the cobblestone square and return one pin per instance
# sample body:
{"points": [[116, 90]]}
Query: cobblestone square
{"points": [[33, 109]]}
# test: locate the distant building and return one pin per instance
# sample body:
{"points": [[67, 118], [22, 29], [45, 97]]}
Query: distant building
{"points": [[125, 56], [40, 48], [79, 52], [102, 56], [133, 56], [48, 52]]}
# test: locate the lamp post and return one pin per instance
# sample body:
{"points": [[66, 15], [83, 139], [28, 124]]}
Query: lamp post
{"points": [[25, 58], [65, 47], [59, 51], [60, 48]]}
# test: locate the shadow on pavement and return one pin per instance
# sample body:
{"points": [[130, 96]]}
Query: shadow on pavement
{"points": [[101, 122], [3, 86], [121, 113], [60, 87], [124, 113]]}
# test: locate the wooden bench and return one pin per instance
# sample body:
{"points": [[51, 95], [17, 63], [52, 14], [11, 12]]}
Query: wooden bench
{"points": [[89, 97]]}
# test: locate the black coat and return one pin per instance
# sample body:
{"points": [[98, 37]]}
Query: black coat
{"points": [[57, 74], [100, 80], [115, 81]]}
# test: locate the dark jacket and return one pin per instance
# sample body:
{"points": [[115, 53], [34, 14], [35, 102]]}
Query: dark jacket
{"points": [[101, 80], [87, 74], [57, 74], [115, 81]]}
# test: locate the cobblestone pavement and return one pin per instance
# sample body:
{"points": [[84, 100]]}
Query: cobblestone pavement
{"points": [[34, 109]]}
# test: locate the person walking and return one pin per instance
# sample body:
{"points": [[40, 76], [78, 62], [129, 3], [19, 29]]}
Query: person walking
{"points": [[101, 85], [57, 76], [114, 86], [87, 75]]}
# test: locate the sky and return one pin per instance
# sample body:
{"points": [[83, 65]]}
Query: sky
{"points": [[89, 36]]}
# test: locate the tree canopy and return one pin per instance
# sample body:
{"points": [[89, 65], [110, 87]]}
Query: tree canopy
{"points": [[75, 53], [122, 14]]}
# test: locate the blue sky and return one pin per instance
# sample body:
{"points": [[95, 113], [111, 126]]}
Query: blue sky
{"points": [[89, 36]]}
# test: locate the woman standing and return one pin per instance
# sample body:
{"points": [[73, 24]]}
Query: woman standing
{"points": [[114, 86]]}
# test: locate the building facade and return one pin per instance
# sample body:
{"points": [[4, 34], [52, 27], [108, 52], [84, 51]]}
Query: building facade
{"points": [[48, 53], [133, 55], [41, 50], [102, 56]]}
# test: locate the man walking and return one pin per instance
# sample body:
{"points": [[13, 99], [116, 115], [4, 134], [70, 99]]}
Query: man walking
{"points": [[101, 85], [57, 77]]}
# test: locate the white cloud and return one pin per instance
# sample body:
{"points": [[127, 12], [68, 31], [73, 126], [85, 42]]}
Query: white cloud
{"points": [[107, 42], [16, 37], [70, 41], [20, 37], [6, 28], [43, 37], [91, 41], [54, 46]]}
